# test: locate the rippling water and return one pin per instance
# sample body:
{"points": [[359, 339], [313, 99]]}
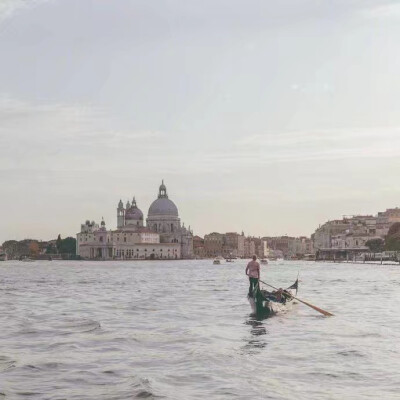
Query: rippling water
{"points": [[183, 330]]}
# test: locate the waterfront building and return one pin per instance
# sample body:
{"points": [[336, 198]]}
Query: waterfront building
{"points": [[230, 244], [347, 238], [249, 247], [233, 245], [163, 218], [322, 237], [198, 247], [213, 244], [291, 247], [260, 247], [163, 238], [354, 231], [385, 219]]}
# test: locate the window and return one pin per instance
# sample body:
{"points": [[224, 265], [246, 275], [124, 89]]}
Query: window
{"points": [[125, 239], [101, 238]]}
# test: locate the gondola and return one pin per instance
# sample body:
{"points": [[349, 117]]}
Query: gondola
{"points": [[264, 302]]}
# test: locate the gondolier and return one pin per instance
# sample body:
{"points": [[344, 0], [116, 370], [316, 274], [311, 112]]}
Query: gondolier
{"points": [[253, 272]]}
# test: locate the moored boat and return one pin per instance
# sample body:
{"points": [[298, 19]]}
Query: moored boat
{"points": [[264, 302]]}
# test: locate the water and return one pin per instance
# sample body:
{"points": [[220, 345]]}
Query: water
{"points": [[182, 330]]}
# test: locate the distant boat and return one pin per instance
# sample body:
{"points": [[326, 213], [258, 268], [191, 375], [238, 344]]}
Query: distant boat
{"points": [[218, 260], [264, 261]]}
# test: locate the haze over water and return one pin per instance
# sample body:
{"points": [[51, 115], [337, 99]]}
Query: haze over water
{"points": [[182, 330]]}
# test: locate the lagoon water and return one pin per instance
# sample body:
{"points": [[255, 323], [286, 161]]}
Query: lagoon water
{"points": [[183, 330]]}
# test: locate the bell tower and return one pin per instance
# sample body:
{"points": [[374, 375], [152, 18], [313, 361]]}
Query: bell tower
{"points": [[162, 192], [120, 215]]}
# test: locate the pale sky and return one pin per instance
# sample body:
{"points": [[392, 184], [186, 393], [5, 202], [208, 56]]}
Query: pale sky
{"points": [[260, 115]]}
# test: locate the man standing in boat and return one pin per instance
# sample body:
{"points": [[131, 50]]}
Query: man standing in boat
{"points": [[253, 272]]}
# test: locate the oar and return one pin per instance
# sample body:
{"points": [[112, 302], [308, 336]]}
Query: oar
{"points": [[320, 310]]}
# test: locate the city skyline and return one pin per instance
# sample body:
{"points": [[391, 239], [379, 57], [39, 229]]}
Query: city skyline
{"points": [[262, 117]]}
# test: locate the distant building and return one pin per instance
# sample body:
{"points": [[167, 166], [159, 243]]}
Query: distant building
{"points": [[348, 237], [351, 232], [233, 245], [249, 247], [198, 247], [213, 244], [289, 246], [163, 238], [322, 237], [385, 219], [230, 244], [260, 247]]}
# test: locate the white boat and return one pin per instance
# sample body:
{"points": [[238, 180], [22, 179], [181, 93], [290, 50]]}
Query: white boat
{"points": [[218, 260]]}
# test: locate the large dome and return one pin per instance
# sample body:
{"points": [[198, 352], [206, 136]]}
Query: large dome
{"points": [[163, 206]]}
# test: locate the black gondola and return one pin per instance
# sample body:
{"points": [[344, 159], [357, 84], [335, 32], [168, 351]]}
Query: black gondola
{"points": [[264, 302]]}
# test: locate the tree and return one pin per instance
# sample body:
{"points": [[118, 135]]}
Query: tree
{"points": [[58, 243], [50, 249], [15, 249], [392, 240], [68, 245], [375, 245], [10, 247]]}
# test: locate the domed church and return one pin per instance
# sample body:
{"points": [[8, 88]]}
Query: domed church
{"points": [[163, 238], [163, 218]]}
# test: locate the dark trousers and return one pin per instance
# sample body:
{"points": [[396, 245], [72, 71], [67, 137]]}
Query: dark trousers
{"points": [[253, 284]]}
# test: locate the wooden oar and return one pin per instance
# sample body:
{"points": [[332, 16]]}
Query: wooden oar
{"points": [[320, 310]]}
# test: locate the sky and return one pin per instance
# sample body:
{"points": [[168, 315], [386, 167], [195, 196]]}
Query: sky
{"points": [[262, 116]]}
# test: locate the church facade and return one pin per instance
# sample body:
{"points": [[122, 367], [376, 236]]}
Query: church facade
{"points": [[163, 237]]}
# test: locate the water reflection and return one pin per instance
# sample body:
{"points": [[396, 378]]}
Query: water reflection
{"points": [[257, 331]]}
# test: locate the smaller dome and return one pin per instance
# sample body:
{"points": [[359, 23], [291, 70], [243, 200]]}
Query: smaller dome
{"points": [[133, 213]]}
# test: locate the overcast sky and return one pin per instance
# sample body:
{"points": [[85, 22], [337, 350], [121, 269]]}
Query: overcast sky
{"points": [[264, 116]]}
